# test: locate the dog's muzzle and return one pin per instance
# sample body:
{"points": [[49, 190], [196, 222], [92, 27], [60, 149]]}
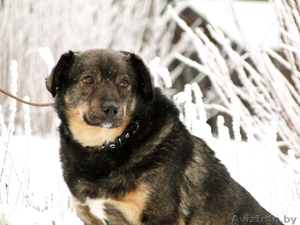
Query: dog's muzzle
{"points": [[108, 116]]}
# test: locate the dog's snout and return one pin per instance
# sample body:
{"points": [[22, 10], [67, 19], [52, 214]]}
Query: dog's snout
{"points": [[110, 108]]}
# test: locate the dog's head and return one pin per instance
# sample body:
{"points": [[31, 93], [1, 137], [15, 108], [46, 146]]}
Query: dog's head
{"points": [[98, 91]]}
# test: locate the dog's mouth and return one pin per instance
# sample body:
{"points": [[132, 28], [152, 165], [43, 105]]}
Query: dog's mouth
{"points": [[102, 122]]}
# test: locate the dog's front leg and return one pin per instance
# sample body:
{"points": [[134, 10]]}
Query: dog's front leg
{"points": [[83, 212]]}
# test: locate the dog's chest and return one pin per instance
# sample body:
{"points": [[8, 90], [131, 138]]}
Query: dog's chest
{"points": [[97, 208], [130, 208]]}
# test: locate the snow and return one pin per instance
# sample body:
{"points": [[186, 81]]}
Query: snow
{"points": [[28, 216], [255, 166], [46, 198], [258, 169]]}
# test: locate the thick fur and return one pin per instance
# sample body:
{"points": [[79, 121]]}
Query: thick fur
{"points": [[163, 175]]}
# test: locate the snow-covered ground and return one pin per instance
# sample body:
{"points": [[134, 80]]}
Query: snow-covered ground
{"points": [[33, 180], [34, 192]]}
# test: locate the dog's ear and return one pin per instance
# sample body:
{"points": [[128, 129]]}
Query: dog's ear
{"points": [[52, 81], [146, 77]]}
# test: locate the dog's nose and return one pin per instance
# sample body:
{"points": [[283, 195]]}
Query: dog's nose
{"points": [[110, 108]]}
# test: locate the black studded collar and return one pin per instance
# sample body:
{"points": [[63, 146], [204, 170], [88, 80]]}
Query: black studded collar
{"points": [[127, 134]]}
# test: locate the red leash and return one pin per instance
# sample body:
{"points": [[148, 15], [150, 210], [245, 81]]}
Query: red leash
{"points": [[25, 102]]}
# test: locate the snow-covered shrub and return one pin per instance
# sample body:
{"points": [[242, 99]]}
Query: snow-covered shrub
{"points": [[270, 98], [266, 106]]}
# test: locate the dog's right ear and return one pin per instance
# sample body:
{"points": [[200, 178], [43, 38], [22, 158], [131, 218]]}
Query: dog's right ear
{"points": [[52, 81]]}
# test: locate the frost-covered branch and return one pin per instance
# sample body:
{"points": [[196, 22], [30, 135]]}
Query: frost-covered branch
{"points": [[264, 95]]}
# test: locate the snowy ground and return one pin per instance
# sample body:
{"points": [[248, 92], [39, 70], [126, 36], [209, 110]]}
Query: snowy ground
{"points": [[35, 193], [44, 197]]}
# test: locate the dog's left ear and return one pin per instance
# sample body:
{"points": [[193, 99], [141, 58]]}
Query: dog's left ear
{"points": [[147, 79], [52, 81]]}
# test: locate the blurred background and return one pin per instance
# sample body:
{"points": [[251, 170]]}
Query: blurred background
{"points": [[144, 27]]}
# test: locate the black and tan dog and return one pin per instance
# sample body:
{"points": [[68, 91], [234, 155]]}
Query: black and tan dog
{"points": [[127, 158]]}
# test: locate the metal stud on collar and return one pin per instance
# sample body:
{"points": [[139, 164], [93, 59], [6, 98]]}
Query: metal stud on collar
{"points": [[122, 140]]}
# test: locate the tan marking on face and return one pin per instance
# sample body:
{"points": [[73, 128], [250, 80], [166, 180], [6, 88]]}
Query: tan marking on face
{"points": [[67, 97], [133, 104], [88, 135]]}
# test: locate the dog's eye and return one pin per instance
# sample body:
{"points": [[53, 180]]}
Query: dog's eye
{"points": [[124, 84], [88, 80]]}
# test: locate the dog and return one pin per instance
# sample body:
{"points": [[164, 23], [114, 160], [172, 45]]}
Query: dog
{"points": [[126, 156]]}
